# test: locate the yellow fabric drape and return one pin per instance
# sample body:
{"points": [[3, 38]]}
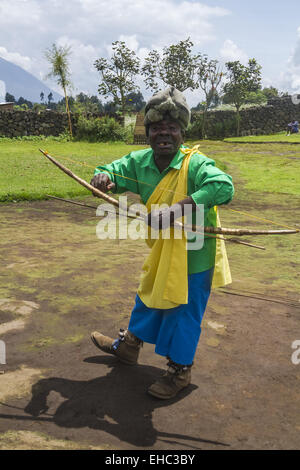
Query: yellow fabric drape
{"points": [[222, 274], [164, 282]]}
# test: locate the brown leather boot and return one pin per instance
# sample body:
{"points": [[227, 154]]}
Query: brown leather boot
{"points": [[175, 379], [126, 347]]}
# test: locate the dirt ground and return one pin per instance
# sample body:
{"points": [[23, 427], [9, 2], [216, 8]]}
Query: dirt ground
{"points": [[59, 283]]}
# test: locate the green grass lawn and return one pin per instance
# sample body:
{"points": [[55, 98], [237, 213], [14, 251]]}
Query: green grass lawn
{"points": [[25, 174], [263, 168], [280, 137], [266, 179]]}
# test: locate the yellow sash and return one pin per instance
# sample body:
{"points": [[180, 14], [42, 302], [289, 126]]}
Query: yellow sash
{"points": [[222, 274], [164, 282]]}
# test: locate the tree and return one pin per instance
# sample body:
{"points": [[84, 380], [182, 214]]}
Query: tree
{"points": [[110, 107], [242, 80], [118, 74], [50, 98], [24, 104], [42, 96], [209, 76], [61, 105], [58, 58], [87, 104], [135, 101], [176, 67], [9, 98], [270, 92], [256, 97]]}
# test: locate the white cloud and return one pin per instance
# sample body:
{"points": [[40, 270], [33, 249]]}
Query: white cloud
{"points": [[29, 27], [290, 77], [14, 12], [231, 52], [131, 41], [16, 58], [82, 60], [2, 91]]}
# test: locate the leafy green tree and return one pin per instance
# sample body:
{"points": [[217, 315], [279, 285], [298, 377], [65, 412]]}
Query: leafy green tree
{"points": [[38, 107], [24, 104], [135, 101], [58, 57], [256, 97], [176, 67], [87, 104], [42, 96], [50, 98], [110, 107], [209, 75], [61, 105], [270, 92], [118, 74], [9, 98], [241, 80]]}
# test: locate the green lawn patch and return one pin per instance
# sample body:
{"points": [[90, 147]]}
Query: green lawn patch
{"points": [[25, 174], [280, 137]]}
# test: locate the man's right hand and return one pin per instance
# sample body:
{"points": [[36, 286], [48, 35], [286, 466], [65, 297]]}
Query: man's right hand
{"points": [[102, 181]]}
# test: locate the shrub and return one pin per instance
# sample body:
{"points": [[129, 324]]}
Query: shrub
{"points": [[194, 129], [222, 129], [97, 129]]}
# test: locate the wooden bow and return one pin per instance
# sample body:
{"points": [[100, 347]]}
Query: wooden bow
{"points": [[208, 230]]}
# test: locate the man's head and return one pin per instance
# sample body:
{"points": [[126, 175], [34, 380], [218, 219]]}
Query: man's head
{"points": [[169, 103], [167, 116], [165, 137]]}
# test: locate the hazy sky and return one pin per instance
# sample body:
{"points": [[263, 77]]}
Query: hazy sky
{"points": [[268, 30]]}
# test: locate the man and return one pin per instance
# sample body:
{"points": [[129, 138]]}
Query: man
{"points": [[292, 127], [176, 282]]}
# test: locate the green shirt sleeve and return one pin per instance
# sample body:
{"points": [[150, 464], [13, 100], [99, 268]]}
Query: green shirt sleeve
{"points": [[121, 172], [212, 187]]}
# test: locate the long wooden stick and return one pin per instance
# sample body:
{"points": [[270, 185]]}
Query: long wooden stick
{"points": [[260, 297], [233, 240], [213, 230], [84, 183]]}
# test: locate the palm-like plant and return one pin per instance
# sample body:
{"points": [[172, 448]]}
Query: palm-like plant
{"points": [[58, 58]]}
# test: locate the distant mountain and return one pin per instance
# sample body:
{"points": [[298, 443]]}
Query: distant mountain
{"points": [[18, 83]]}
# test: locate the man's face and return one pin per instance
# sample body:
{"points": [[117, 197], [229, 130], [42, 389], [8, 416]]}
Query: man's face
{"points": [[165, 138]]}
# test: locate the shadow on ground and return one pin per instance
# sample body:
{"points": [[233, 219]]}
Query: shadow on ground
{"points": [[115, 403]]}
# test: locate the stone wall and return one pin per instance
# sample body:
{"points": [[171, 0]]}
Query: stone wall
{"points": [[268, 119], [17, 123]]}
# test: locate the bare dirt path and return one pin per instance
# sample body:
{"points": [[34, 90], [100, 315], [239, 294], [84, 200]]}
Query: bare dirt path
{"points": [[59, 283]]}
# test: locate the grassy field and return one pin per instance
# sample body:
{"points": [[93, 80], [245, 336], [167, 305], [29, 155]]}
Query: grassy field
{"points": [[280, 137], [25, 174]]}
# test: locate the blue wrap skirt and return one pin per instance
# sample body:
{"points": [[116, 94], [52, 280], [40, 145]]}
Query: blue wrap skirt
{"points": [[175, 331]]}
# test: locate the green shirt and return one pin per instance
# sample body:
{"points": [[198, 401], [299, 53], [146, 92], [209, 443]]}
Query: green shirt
{"points": [[207, 185]]}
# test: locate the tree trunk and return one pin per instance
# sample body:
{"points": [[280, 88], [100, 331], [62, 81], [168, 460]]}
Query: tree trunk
{"points": [[203, 127], [123, 104], [68, 112]]}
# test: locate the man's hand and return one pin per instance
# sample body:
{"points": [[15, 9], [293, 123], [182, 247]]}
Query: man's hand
{"points": [[164, 218], [102, 182], [160, 219]]}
